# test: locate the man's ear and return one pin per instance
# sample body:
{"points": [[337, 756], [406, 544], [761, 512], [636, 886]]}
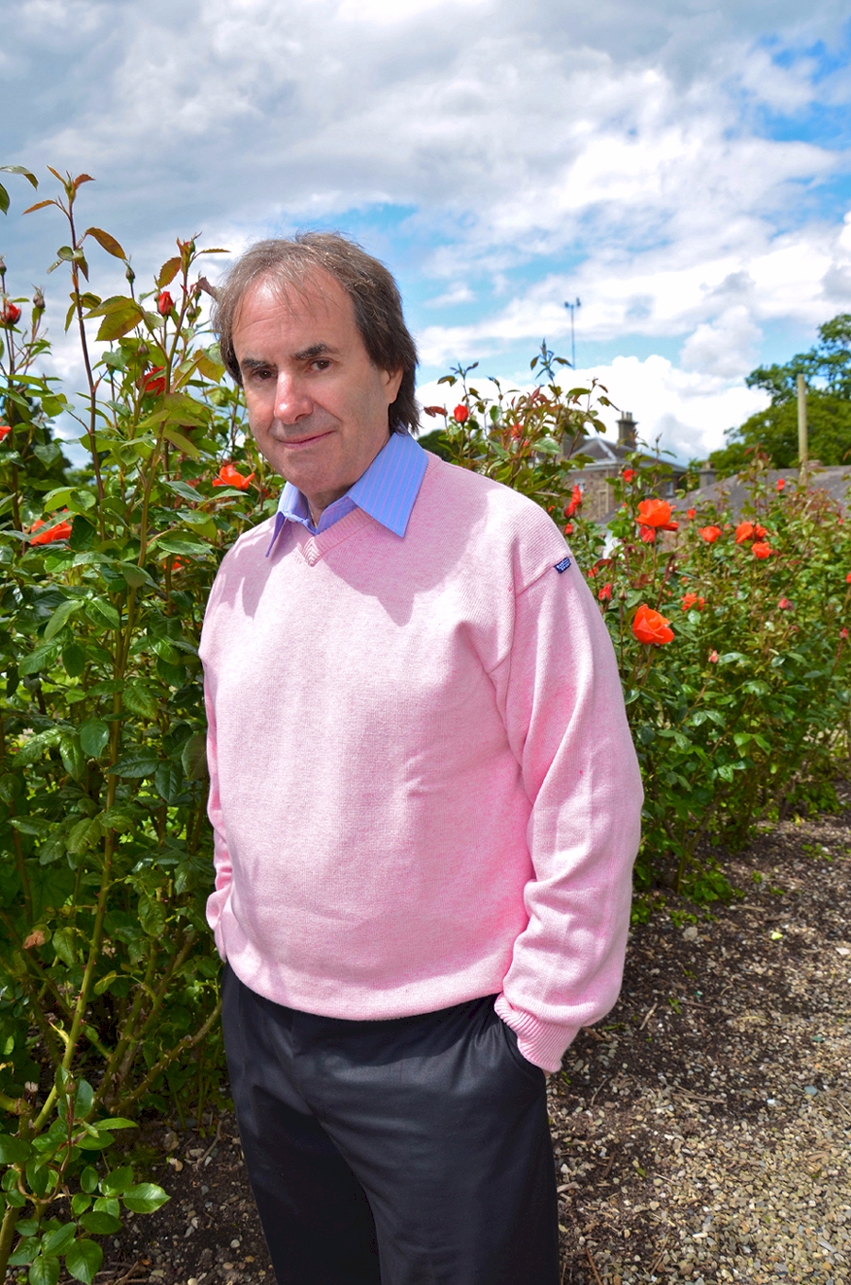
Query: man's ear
{"points": [[393, 382]]}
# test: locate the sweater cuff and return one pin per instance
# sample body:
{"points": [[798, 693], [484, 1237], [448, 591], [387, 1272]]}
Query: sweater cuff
{"points": [[542, 1043]]}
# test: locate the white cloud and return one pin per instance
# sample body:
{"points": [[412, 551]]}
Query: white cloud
{"points": [[617, 152]]}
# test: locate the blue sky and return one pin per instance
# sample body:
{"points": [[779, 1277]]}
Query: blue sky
{"points": [[684, 168]]}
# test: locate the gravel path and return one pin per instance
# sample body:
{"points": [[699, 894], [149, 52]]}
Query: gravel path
{"points": [[702, 1132]]}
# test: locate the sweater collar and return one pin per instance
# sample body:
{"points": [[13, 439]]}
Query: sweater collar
{"points": [[386, 491]]}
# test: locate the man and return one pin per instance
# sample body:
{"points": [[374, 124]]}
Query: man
{"points": [[425, 804]]}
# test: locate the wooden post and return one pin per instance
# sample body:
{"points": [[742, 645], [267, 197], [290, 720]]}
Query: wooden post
{"points": [[802, 427]]}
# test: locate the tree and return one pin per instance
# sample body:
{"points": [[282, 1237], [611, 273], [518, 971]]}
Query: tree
{"points": [[827, 370]]}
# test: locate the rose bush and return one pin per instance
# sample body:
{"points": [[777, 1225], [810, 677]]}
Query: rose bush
{"points": [[740, 712], [108, 984]]}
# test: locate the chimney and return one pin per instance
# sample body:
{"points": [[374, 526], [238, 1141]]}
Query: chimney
{"points": [[626, 430]]}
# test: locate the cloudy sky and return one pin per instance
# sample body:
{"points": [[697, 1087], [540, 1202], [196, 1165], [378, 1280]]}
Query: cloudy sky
{"points": [[681, 167]]}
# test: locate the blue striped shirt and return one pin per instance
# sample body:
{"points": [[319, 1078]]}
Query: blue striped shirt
{"points": [[386, 491]]}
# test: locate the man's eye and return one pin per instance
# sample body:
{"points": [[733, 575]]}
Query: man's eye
{"points": [[321, 363]]}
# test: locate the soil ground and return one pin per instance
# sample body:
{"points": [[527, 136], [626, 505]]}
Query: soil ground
{"points": [[702, 1131]]}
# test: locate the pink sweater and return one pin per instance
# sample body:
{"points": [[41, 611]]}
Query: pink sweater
{"points": [[423, 787]]}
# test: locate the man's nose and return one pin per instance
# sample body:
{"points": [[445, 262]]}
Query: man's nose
{"points": [[292, 401]]}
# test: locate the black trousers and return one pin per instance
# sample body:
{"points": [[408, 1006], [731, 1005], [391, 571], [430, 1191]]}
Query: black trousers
{"points": [[406, 1152]]}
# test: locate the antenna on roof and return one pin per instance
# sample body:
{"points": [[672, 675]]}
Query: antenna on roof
{"points": [[571, 307]]}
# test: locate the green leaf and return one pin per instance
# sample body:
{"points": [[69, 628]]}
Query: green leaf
{"points": [[58, 1241], [38, 659], [34, 746], [84, 1258], [106, 611], [168, 780], [136, 764], [63, 943], [44, 1271], [144, 1198], [89, 1179], [80, 1202], [140, 700], [74, 659], [106, 242], [24, 1254], [14, 1151], [83, 1100], [61, 616], [94, 735], [84, 835], [151, 916], [193, 757], [118, 1181], [182, 443], [120, 322], [99, 1223], [72, 756], [20, 169], [36, 826], [185, 548], [116, 818]]}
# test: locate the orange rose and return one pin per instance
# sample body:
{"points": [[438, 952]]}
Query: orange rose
{"points": [[229, 475], [710, 533], [761, 550], [47, 534], [656, 513], [649, 627]]}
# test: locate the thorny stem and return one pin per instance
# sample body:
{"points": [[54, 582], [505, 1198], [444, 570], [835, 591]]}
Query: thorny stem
{"points": [[84, 345]]}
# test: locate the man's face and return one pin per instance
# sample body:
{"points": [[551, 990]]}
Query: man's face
{"points": [[317, 405]]}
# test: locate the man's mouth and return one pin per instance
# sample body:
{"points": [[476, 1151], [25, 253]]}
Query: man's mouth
{"points": [[296, 443]]}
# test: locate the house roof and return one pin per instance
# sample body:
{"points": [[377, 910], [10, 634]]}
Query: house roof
{"points": [[732, 492]]}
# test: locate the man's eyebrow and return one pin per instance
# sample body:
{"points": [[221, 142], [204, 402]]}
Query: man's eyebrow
{"points": [[315, 350], [253, 363]]}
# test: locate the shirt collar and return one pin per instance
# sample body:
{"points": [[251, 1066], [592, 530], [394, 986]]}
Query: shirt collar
{"points": [[386, 491]]}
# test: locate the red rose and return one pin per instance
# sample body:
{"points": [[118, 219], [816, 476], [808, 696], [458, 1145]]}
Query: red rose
{"points": [[744, 531], [165, 303], [575, 501], [710, 533], [568, 530], [47, 534], [649, 627], [691, 514], [10, 314], [848, 578], [759, 531], [843, 633], [153, 382], [605, 593], [692, 600], [230, 476], [460, 414], [761, 550], [5, 430], [713, 658], [628, 474], [781, 482], [785, 605], [648, 534]]}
